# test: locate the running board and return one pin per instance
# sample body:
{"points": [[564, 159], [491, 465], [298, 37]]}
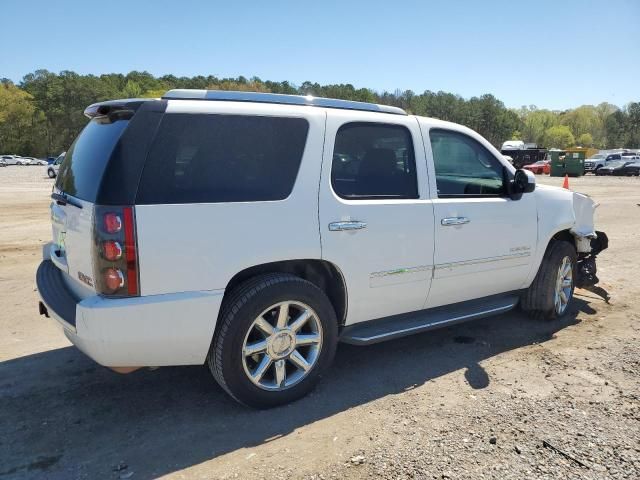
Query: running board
{"points": [[396, 326]]}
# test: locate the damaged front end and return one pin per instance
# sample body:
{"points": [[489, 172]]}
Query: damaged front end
{"points": [[586, 268], [589, 242]]}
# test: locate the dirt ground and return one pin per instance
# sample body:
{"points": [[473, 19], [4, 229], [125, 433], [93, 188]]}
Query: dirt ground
{"points": [[505, 397]]}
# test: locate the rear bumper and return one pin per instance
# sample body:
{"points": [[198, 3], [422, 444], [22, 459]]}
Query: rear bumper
{"points": [[157, 330]]}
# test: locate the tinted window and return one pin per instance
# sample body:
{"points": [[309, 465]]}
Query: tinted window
{"points": [[222, 158], [463, 166], [373, 160], [86, 160]]}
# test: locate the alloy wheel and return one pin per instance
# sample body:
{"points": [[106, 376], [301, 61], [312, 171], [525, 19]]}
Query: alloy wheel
{"points": [[282, 346], [564, 286]]}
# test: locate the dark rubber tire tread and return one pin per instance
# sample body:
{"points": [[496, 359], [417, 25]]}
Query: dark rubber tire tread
{"points": [[538, 299], [237, 313]]}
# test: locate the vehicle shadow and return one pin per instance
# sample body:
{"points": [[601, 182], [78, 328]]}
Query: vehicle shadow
{"points": [[62, 416]]}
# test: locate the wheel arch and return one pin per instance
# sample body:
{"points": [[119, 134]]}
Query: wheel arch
{"points": [[323, 274]]}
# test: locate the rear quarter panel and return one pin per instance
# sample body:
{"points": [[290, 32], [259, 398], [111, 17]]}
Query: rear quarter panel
{"points": [[190, 247]]}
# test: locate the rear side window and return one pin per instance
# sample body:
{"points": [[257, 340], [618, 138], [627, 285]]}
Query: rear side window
{"points": [[374, 161], [84, 164], [222, 158]]}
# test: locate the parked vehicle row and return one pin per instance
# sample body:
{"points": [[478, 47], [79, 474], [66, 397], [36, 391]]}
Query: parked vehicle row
{"points": [[52, 164], [23, 161], [621, 167]]}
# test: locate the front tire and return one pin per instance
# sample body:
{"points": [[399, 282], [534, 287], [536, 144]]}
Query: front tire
{"points": [[51, 173], [550, 294], [277, 335]]}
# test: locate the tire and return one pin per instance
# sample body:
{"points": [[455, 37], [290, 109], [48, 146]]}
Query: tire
{"points": [[236, 333], [540, 299], [51, 173]]}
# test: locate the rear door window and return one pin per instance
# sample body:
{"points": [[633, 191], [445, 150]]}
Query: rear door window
{"points": [[211, 158], [86, 161], [374, 161]]}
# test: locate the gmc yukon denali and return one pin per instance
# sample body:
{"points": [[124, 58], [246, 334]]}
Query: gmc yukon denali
{"points": [[254, 232]]}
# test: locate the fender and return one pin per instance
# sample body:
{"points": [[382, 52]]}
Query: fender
{"points": [[562, 210]]}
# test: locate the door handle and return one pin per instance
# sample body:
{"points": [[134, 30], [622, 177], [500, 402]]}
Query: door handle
{"points": [[451, 221], [340, 226]]}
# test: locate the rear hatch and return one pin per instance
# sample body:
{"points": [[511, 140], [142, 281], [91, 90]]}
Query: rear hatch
{"points": [[74, 197]]}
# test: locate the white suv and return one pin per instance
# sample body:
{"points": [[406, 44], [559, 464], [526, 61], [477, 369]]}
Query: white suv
{"points": [[255, 231]]}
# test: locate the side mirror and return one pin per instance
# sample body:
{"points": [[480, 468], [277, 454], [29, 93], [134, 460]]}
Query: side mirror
{"points": [[523, 181]]}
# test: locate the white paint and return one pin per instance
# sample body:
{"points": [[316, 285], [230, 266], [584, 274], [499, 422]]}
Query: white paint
{"points": [[404, 260]]}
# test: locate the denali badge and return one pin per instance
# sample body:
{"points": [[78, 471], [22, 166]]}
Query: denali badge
{"points": [[85, 279]]}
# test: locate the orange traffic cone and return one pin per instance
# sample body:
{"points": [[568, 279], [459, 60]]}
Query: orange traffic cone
{"points": [[565, 184]]}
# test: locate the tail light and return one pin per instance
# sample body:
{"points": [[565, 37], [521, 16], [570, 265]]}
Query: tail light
{"points": [[115, 260]]}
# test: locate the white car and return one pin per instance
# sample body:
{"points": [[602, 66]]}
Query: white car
{"points": [[15, 160], [52, 170], [255, 231], [36, 161]]}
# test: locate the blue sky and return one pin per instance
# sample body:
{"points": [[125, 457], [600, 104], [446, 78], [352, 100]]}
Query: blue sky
{"points": [[552, 53]]}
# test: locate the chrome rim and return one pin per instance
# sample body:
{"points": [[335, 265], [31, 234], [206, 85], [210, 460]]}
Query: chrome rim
{"points": [[564, 285], [282, 345]]}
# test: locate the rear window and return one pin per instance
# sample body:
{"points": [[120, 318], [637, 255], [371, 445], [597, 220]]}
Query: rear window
{"points": [[85, 162], [210, 158]]}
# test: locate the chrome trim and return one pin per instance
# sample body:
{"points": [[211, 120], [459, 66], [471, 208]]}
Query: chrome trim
{"points": [[222, 95], [441, 322], [450, 221], [398, 271], [478, 261], [346, 226]]}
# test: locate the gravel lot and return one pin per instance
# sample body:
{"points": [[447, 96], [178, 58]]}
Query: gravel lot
{"points": [[505, 397]]}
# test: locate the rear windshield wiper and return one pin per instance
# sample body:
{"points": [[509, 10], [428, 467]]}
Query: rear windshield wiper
{"points": [[62, 199]]}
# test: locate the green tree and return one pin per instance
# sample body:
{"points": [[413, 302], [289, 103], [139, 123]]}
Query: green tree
{"points": [[535, 124], [20, 122], [559, 136], [585, 140]]}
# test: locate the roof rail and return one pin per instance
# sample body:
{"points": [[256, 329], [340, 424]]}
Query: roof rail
{"points": [[224, 95]]}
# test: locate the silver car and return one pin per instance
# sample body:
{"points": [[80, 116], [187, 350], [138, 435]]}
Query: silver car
{"points": [[52, 170]]}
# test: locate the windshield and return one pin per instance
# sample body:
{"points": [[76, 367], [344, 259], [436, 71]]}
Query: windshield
{"points": [[85, 162]]}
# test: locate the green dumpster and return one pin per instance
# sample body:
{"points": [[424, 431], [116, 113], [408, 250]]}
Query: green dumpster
{"points": [[557, 162], [568, 162], [574, 161]]}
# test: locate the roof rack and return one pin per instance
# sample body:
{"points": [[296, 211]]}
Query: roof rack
{"points": [[224, 95]]}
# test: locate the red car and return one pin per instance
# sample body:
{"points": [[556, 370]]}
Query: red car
{"points": [[539, 167]]}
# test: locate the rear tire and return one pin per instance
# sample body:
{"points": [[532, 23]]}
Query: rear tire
{"points": [[266, 315], [51, 173], [550, 294]]}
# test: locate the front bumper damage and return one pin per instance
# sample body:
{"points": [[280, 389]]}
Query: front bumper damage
{"points": [[586, 266]]}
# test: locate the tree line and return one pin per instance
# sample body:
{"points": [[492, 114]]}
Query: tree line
{"points": [[41, 115]]}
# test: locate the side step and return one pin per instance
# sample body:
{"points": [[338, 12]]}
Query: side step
{"points": [[396, 326]]}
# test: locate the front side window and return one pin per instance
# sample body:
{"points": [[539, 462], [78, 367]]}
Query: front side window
{"points": [[212, 158], [464, 167], [374, 161]]}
